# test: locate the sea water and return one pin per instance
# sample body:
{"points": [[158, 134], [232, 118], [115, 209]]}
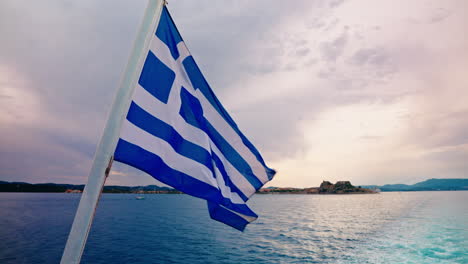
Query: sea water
{"points": [[406, 227]]}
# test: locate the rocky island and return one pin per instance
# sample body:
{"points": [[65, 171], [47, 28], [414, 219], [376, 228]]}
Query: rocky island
{"points": [[340, 187]]}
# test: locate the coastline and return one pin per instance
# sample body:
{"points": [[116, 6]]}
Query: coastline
{"points": [[344, 187]]}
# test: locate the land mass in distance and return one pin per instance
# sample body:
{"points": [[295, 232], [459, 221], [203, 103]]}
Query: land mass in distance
{"points": [[340, 187]]}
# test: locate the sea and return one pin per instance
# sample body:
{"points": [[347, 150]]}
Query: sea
{"points": [[398, 227]]}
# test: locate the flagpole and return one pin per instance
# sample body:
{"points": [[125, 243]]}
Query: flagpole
{"points": [[104, 152]]}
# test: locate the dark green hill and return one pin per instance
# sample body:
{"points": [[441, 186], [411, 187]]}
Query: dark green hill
{"points": [[443, 184], [60, 188], [396, 187], [427, 185]]}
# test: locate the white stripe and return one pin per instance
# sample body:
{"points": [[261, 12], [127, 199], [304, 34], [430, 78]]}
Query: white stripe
{"points": [[236, 177], [231, 137], [164, 150], [168, 113], [141, 138], [246, 217], [161, 50], [183, 52], [225, 190]]}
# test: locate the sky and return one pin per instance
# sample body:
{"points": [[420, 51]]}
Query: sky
{"points": [[374, 92]]}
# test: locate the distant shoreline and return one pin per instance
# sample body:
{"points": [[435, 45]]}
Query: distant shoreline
{"points": [[328, 188], [262, 194]]}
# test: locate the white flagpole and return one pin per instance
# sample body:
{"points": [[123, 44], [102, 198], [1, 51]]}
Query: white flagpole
{"points": [[105, 150]]}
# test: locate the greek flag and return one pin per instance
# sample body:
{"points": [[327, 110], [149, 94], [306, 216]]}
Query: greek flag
{"points": [[177, 131]]}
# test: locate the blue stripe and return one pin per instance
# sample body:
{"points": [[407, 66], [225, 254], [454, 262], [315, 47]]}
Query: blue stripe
{"points": [[219, 164], [158, 128], [168, 33], [219, 213], [152, 164], [156, 77], [239, 208], [199, 82], [191, 110], [149, 123]]}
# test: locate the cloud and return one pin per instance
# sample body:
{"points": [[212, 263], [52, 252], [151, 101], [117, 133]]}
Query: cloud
{"points": [[19, 105], [338, 89], [28, 155], [333, 49], [118, 173], [370, 56], [439, 15]]}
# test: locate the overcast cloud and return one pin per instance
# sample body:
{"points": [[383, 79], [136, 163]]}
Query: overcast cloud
{"points": [[369, 91]]}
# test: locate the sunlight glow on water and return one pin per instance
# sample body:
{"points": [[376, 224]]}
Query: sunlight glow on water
{"points": [[416, 227]]}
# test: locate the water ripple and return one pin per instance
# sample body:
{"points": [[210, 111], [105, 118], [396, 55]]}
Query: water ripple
{"points": [[424, 227]]}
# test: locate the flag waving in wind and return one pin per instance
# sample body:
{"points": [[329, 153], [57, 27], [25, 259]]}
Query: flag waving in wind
{"points": [[177, 131]]}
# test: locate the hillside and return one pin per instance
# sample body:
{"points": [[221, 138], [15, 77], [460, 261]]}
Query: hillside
{"points": [[60, 188], [427, 185]]}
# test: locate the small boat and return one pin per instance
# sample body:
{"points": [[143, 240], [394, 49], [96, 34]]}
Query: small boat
{"points": [[140, 197]]}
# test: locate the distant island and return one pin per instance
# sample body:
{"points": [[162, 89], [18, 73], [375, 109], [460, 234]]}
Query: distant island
{"points": [[340, 187], [427, 185]]}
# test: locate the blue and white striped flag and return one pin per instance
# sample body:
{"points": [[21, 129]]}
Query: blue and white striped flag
{"points": [[177, 131]]}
